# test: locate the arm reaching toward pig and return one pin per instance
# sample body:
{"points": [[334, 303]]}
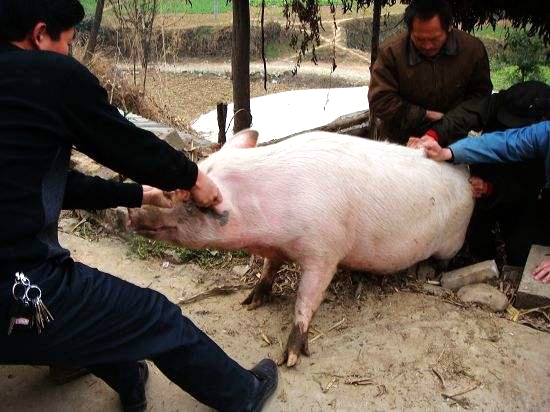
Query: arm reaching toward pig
{"points": [[433, 150], [98, 129], [513, 145], [95, 193]]}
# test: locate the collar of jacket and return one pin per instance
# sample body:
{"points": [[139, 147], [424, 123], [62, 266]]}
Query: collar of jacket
{"points": [[450, 48], [8, 47]]}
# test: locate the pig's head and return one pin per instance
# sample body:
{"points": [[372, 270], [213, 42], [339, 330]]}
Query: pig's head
{"points": [[184, 223], [189, 225]]}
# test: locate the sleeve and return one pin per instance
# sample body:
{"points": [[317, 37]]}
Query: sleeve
{"points": [[480, 84], [457, 122], [94, 193], [513, 145], [97, 129], [385, 101]]}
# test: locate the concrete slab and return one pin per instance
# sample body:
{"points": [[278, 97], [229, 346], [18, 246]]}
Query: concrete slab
{"points": [[478, 273], [531, 293], [162, 131]]}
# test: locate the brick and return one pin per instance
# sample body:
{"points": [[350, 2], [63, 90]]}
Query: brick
{"points": [[478, 273], [484, 294], [531, 293], [173, 138]]}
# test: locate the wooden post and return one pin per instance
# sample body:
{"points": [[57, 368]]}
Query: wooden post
{"points": [[240, 65], [222, 118], [94, 33], [374, 45]]}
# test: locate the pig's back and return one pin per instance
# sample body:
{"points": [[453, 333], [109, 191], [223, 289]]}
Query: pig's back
{"points": [[376, 205]]}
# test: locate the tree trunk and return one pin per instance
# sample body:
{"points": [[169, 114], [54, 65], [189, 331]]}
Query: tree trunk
{"points": [[375, 40], [376, 15], [240, 65], [92, 41]]}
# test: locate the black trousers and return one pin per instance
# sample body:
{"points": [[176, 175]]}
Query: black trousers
{"points": [[521, 224], [106, 324]]}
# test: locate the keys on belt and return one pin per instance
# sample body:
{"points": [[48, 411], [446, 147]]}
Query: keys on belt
{"points": [[28, 310]]}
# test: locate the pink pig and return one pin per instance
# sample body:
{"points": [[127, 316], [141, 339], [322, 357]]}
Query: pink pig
{"points": [[322, 200]]}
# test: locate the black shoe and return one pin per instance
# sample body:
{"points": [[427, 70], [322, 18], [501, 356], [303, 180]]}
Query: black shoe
{"points": [[137, 401], [267, 374]]}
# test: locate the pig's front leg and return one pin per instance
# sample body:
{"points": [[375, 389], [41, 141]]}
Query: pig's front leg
{"points": [[313, 284], [262, 291]]}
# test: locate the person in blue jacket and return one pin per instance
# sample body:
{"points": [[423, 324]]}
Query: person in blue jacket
{"points": [[512, 145], [507, 210]]}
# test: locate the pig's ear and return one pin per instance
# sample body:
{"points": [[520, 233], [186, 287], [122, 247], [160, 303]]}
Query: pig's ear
{"points": [[245, 139]]}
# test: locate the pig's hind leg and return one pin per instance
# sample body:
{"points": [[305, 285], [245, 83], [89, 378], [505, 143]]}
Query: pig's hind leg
{"points": [[262, 291], [315, 280]]}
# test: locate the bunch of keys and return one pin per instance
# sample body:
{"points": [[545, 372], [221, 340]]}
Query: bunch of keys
{"points": [[28, 310]]}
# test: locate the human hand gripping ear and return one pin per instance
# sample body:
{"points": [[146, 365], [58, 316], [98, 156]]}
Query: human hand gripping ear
{"points": [[205, 193], [156, 197]]}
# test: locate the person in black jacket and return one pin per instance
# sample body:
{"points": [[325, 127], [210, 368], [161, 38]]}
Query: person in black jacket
{"points": [[508, 195], [49, 103]]}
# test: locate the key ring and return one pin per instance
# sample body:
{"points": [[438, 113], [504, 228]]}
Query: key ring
{"points": [[23, 293], [38, 294]]}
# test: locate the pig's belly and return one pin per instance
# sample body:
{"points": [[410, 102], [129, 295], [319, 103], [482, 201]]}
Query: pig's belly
{"points": [[398, 251]]}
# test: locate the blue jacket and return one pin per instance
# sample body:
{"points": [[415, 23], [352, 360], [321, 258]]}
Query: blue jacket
{"points": [[513, 145]]}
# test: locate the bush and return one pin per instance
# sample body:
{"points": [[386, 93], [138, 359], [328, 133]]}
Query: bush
{"points": [[359, 31], [525, 53], [200, 41]]}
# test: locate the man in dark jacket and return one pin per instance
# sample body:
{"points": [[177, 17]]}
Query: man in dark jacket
{"points": [[420, 75], [48, 104]]}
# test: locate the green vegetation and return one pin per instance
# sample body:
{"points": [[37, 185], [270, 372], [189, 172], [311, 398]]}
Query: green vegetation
{"points": [[143, 248], [277, 50], [87, 230], [525, 54], [515, 55], [89, 5], [504, 76], [174, 6], [487, 31], [280, 3], [197, 7]]}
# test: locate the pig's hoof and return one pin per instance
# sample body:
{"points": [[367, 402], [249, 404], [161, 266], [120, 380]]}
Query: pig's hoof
{"points": [[260, 294], [296, 345]]}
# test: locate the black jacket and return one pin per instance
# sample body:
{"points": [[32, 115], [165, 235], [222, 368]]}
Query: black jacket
{"points": [[477, 114], [48, 104]]}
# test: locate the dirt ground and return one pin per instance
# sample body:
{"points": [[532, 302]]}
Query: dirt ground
{"points": [[390, 350]]}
